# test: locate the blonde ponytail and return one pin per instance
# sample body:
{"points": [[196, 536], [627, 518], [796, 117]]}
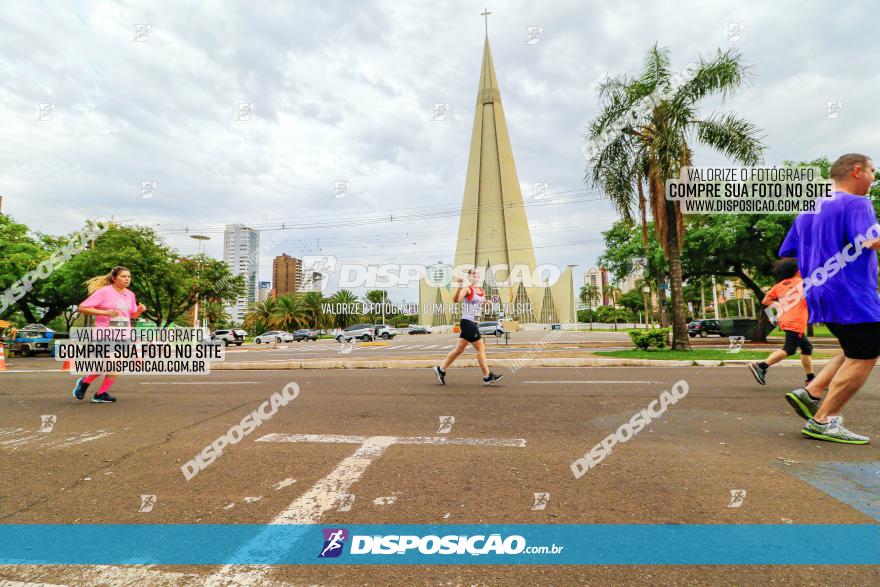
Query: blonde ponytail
{"points": [[96, 283]]}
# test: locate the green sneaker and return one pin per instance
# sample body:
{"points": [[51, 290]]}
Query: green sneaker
{"points": [[758, 372], [833, 431], [804, 405]]}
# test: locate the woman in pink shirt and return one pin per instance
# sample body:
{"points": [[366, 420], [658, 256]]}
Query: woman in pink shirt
{"points": [[114, 306]]}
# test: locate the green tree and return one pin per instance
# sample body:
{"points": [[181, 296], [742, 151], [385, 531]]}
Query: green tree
{"points": [[376, 296], [313, 310], [588, 294], [348, 301], [258, 317], [289, 313], [643, 131]]}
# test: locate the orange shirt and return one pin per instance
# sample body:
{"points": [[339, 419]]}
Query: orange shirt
{"points": [[790, 293]]}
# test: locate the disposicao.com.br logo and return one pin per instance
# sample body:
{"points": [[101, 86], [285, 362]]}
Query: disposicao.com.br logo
{"points": [[431, 544]]}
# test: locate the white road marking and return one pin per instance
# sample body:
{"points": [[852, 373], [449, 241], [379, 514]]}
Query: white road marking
{"points": [[285, 483], [118, 576], [591, 382], [386, 500], [198, 382], [327, 493], [101, 434], [17, 440], [307, 509]]}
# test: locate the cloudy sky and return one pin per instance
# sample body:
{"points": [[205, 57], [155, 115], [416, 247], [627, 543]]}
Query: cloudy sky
{"points": [[344, 91]]}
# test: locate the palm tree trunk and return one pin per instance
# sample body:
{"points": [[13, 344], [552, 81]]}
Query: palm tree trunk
{"points": [[680, 339], [661, 299]]}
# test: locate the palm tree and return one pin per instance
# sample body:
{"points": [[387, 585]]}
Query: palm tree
{"points": [[589, 292], [289, 313], [343, 319], [312, 302], [613, 292], [642, 133], [259, 316], [216, 314]]}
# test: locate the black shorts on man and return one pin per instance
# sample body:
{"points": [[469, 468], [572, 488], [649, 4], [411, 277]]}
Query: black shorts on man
{"points": [[797, 340], [469, 330], [858, 341]]}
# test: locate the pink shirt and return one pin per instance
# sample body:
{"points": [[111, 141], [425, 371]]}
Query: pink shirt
{"points": [[110, 298]]}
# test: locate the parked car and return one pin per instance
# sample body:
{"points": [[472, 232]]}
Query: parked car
{"points": [[416, 329], [305, 334], [274, 336], [491, 328], [385, 331], [364, 332], [228, 337], [704, 328]]}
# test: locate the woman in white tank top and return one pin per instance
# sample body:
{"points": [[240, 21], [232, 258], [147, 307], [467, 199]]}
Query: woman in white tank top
{"points": [[471, 297]]}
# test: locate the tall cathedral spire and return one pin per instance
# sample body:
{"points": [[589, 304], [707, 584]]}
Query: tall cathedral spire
{"points": [[493, 228]]}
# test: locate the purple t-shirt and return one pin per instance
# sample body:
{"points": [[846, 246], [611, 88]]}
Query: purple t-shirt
{"points": [[842, 275]]}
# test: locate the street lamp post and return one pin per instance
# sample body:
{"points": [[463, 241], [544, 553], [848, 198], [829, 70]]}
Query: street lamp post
{"points": [[201, 238]]}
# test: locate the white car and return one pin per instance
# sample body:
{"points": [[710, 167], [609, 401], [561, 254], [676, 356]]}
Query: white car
{"points": [[364, 332], [274, 336], [385, 331], [491, 328]]}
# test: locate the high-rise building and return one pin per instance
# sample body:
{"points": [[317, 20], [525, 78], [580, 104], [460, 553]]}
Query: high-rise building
{"points": [[312, 281], [241, 251], [287, 274], [596, 278], [493, 229], [264, 291]]}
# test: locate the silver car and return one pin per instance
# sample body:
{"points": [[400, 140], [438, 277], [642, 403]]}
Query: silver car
{"points": [[274, 336], [491, 328], [364, 332]]}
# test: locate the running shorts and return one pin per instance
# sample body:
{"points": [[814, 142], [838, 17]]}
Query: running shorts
{"points": [[797, 340], [858, 341], [469, 330]]}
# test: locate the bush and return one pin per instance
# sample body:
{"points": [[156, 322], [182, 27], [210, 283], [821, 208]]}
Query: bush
{"points": [[646, 339]]}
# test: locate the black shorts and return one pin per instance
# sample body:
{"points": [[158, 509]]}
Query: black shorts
{"points": [[469, 331], [796, 340], [858, 341]]}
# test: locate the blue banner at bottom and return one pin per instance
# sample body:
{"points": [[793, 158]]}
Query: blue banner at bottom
{"points": [[484, 544]]}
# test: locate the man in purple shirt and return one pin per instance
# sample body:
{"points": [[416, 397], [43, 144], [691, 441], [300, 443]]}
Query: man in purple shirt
{"points": [[836, 256]]}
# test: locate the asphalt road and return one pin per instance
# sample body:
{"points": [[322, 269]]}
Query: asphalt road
{"points": [[726, 434]]}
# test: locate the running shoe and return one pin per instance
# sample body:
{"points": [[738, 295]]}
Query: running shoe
{"points": [[833, 431], [758, 371], [103, 398], [441, 375], [804, 405], [79, 390], [491, 378]]}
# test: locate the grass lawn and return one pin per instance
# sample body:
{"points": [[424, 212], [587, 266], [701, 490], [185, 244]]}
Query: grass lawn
{"points": [[698, 355]]}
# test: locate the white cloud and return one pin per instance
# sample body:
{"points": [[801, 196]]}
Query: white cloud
{"points": [[344, 92]]}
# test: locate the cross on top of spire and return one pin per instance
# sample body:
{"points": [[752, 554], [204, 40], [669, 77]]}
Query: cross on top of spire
{"points": [[485, 14]]}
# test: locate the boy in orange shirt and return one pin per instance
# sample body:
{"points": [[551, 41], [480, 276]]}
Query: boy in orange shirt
{"points": [[789, 293]]}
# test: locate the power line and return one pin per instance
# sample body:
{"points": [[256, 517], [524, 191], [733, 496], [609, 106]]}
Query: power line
{"points": [[396, 215]]}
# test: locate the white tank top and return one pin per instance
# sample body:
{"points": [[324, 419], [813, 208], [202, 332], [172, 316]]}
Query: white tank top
{"points": [[472, 304]]}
